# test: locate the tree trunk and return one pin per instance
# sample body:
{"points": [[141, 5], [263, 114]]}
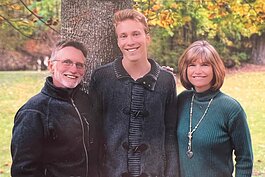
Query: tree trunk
{"points": [[90, 21], [258, 49]]}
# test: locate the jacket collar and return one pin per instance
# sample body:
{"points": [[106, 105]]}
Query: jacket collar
{"points": [[148, 81], [58, 93]]}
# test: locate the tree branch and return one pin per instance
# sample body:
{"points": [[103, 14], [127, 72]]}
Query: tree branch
{"points": [[16, 28], [38, 17], [251, 7]]}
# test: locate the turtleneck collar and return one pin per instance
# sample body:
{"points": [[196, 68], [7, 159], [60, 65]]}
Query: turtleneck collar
{"points": [[206, 95], [58, 93], [148, 81]]}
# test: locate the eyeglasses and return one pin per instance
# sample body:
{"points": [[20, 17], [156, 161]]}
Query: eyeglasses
{"points": [[69, 63]]}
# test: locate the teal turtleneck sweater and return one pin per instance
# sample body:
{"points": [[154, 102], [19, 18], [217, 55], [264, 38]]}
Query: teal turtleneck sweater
{"points": [[222, 131]]}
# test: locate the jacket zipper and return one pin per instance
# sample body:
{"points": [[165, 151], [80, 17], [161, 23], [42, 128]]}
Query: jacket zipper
{"points": [[83, 133]]}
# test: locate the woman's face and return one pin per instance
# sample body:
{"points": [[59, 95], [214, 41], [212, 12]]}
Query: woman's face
{"points": [[200, 75]]}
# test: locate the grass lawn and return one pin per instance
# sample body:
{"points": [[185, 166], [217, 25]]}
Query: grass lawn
{"points": [[17, 87], [248, 89]]}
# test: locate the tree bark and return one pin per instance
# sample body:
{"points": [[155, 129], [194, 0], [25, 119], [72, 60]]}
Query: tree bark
{"points": [[258, 49], [90, 22]]}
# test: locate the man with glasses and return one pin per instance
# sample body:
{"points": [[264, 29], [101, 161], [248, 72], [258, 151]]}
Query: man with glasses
{"points": [[52, 133]]}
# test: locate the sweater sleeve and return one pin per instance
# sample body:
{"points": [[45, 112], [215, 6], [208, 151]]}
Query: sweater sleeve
{"points": [[241, 141], [26, 144], [172, 163]]}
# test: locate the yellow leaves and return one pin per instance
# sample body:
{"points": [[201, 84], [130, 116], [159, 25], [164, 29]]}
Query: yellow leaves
{"points": [[1, 19], [23, 22], [164, 15], [165, 19], [260, 10], [249, 30], [165, 23], [186, 19], [153, 1], [15, 7], [211, 7], [156, 7], [260, 7], [161, 18], [152, 22], [174, 5], [161, 13], [211, 18], [228, 42], [262, 15], [242, 9]]}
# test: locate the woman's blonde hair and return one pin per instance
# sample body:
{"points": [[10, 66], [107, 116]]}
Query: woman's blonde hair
{"points": [[202, 50]]}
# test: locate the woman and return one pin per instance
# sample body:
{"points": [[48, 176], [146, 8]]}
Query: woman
{"points": [[212, 125]]}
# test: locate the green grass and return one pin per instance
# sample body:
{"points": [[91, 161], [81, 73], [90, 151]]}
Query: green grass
{"points": [[248, 89], [17, 87]]}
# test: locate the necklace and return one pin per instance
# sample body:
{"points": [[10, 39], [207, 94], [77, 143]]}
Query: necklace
{"points": [[191, 131]]}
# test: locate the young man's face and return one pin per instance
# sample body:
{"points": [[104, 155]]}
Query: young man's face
{"points": [[132, 40], [68, 68]]}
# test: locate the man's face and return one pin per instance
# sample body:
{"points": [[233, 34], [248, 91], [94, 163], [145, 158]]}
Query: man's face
{"points": [[68, 68], [132, 40]]}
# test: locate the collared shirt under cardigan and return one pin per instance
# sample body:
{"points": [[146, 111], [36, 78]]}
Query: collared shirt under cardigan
{"points": [[223, 130], [138, 120]]}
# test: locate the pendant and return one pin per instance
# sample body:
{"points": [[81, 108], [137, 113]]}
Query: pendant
{"points": [[189, 154]]}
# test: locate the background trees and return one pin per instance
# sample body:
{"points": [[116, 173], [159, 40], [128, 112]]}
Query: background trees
{"points": [[27, 29], [235, 28], [91, 23]]}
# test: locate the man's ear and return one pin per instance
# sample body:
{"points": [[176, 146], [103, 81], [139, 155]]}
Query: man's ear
{"points": [[51, 66]]}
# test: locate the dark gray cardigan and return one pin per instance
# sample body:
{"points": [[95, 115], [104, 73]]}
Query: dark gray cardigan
{"points": [[138, 121]]}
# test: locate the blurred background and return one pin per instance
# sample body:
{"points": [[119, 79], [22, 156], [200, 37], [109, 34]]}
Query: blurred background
{"points": [[30, 28]]}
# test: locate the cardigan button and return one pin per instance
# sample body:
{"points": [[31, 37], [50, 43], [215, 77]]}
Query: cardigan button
{"points": [[125, 146], [91, 141], [141, 148], [126, 110]]}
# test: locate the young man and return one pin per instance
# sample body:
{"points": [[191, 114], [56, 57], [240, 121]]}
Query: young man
{"points": [[136, 106], [51, 134]]}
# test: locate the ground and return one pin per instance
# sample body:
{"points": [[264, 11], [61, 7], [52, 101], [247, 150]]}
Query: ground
{"points": [[246, 68]]}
